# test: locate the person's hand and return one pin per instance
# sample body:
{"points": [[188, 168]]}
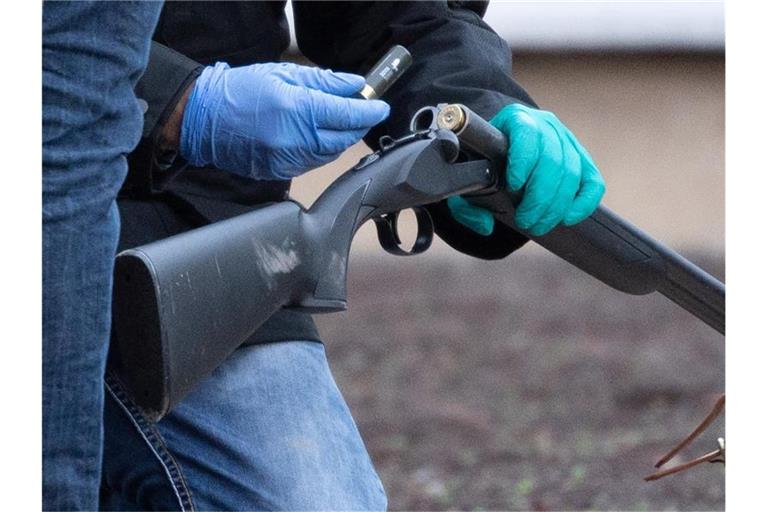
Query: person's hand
{"points": [[559, 179], [275, 120]]}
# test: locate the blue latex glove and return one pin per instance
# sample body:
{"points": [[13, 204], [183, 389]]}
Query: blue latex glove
{"points": [[560, 181], [275, 120]]}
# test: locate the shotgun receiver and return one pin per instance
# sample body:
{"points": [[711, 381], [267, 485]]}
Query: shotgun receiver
{"points": [[183, 304]]}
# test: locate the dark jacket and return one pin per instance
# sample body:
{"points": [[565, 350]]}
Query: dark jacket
{"points": [[456, 58]]}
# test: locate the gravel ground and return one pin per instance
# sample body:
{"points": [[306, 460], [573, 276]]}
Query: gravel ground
{"points": [[524, 385]]}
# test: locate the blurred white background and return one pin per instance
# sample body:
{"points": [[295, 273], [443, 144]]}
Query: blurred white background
{"points": [[610, 26]]}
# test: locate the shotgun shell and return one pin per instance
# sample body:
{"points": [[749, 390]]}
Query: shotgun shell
{"points": [[386, 72], [451, 117]]}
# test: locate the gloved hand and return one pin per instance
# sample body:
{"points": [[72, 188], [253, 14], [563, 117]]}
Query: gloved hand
{"points": [[275, 120], [562, 183]]}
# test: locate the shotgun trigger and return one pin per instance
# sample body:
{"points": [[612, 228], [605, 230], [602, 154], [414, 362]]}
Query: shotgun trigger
{"points": [[389, 237]]}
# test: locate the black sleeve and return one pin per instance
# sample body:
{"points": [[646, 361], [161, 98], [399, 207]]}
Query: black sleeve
{"points": [[457, 58], [167, 76]]}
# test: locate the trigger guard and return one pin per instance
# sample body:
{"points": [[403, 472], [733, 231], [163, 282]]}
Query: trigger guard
{"points": [[425, 233], [389, 238]]}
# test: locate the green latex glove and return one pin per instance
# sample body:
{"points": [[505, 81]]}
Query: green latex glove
{"points": [[560, 180]]}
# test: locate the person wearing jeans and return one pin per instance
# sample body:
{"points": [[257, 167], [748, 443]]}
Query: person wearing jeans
{"points": [[226, 129], [93, 55]]}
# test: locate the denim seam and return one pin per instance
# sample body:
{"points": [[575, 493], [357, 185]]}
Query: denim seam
{"points": [[156, 444]]}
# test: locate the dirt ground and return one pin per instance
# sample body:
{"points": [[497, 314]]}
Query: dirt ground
{"points": [[524, 385]]}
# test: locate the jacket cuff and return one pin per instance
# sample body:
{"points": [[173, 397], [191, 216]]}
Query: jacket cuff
{"points": [[160, 88], [499, 244], [167, 76]]}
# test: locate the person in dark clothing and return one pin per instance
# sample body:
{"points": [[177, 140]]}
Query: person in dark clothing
{"points": [[269, 429]]}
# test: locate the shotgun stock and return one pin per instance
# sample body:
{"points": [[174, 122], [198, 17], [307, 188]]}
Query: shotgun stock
{"points": [[182, 305]]}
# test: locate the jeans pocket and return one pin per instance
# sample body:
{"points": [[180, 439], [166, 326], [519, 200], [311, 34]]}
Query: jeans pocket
{"points": [[150, 436]]}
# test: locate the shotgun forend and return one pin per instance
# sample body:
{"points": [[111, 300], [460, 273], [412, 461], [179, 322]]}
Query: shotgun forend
{"points": [[604, 245]]}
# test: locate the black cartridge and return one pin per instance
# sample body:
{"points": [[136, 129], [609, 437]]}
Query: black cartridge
{"points": [[389, 68]]}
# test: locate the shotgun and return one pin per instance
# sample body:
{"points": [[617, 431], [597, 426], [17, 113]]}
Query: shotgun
{"points": [[182, 305]]}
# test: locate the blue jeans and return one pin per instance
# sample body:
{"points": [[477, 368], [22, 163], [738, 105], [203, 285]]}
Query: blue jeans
{"points": [[93, 54], [269, 430]]}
